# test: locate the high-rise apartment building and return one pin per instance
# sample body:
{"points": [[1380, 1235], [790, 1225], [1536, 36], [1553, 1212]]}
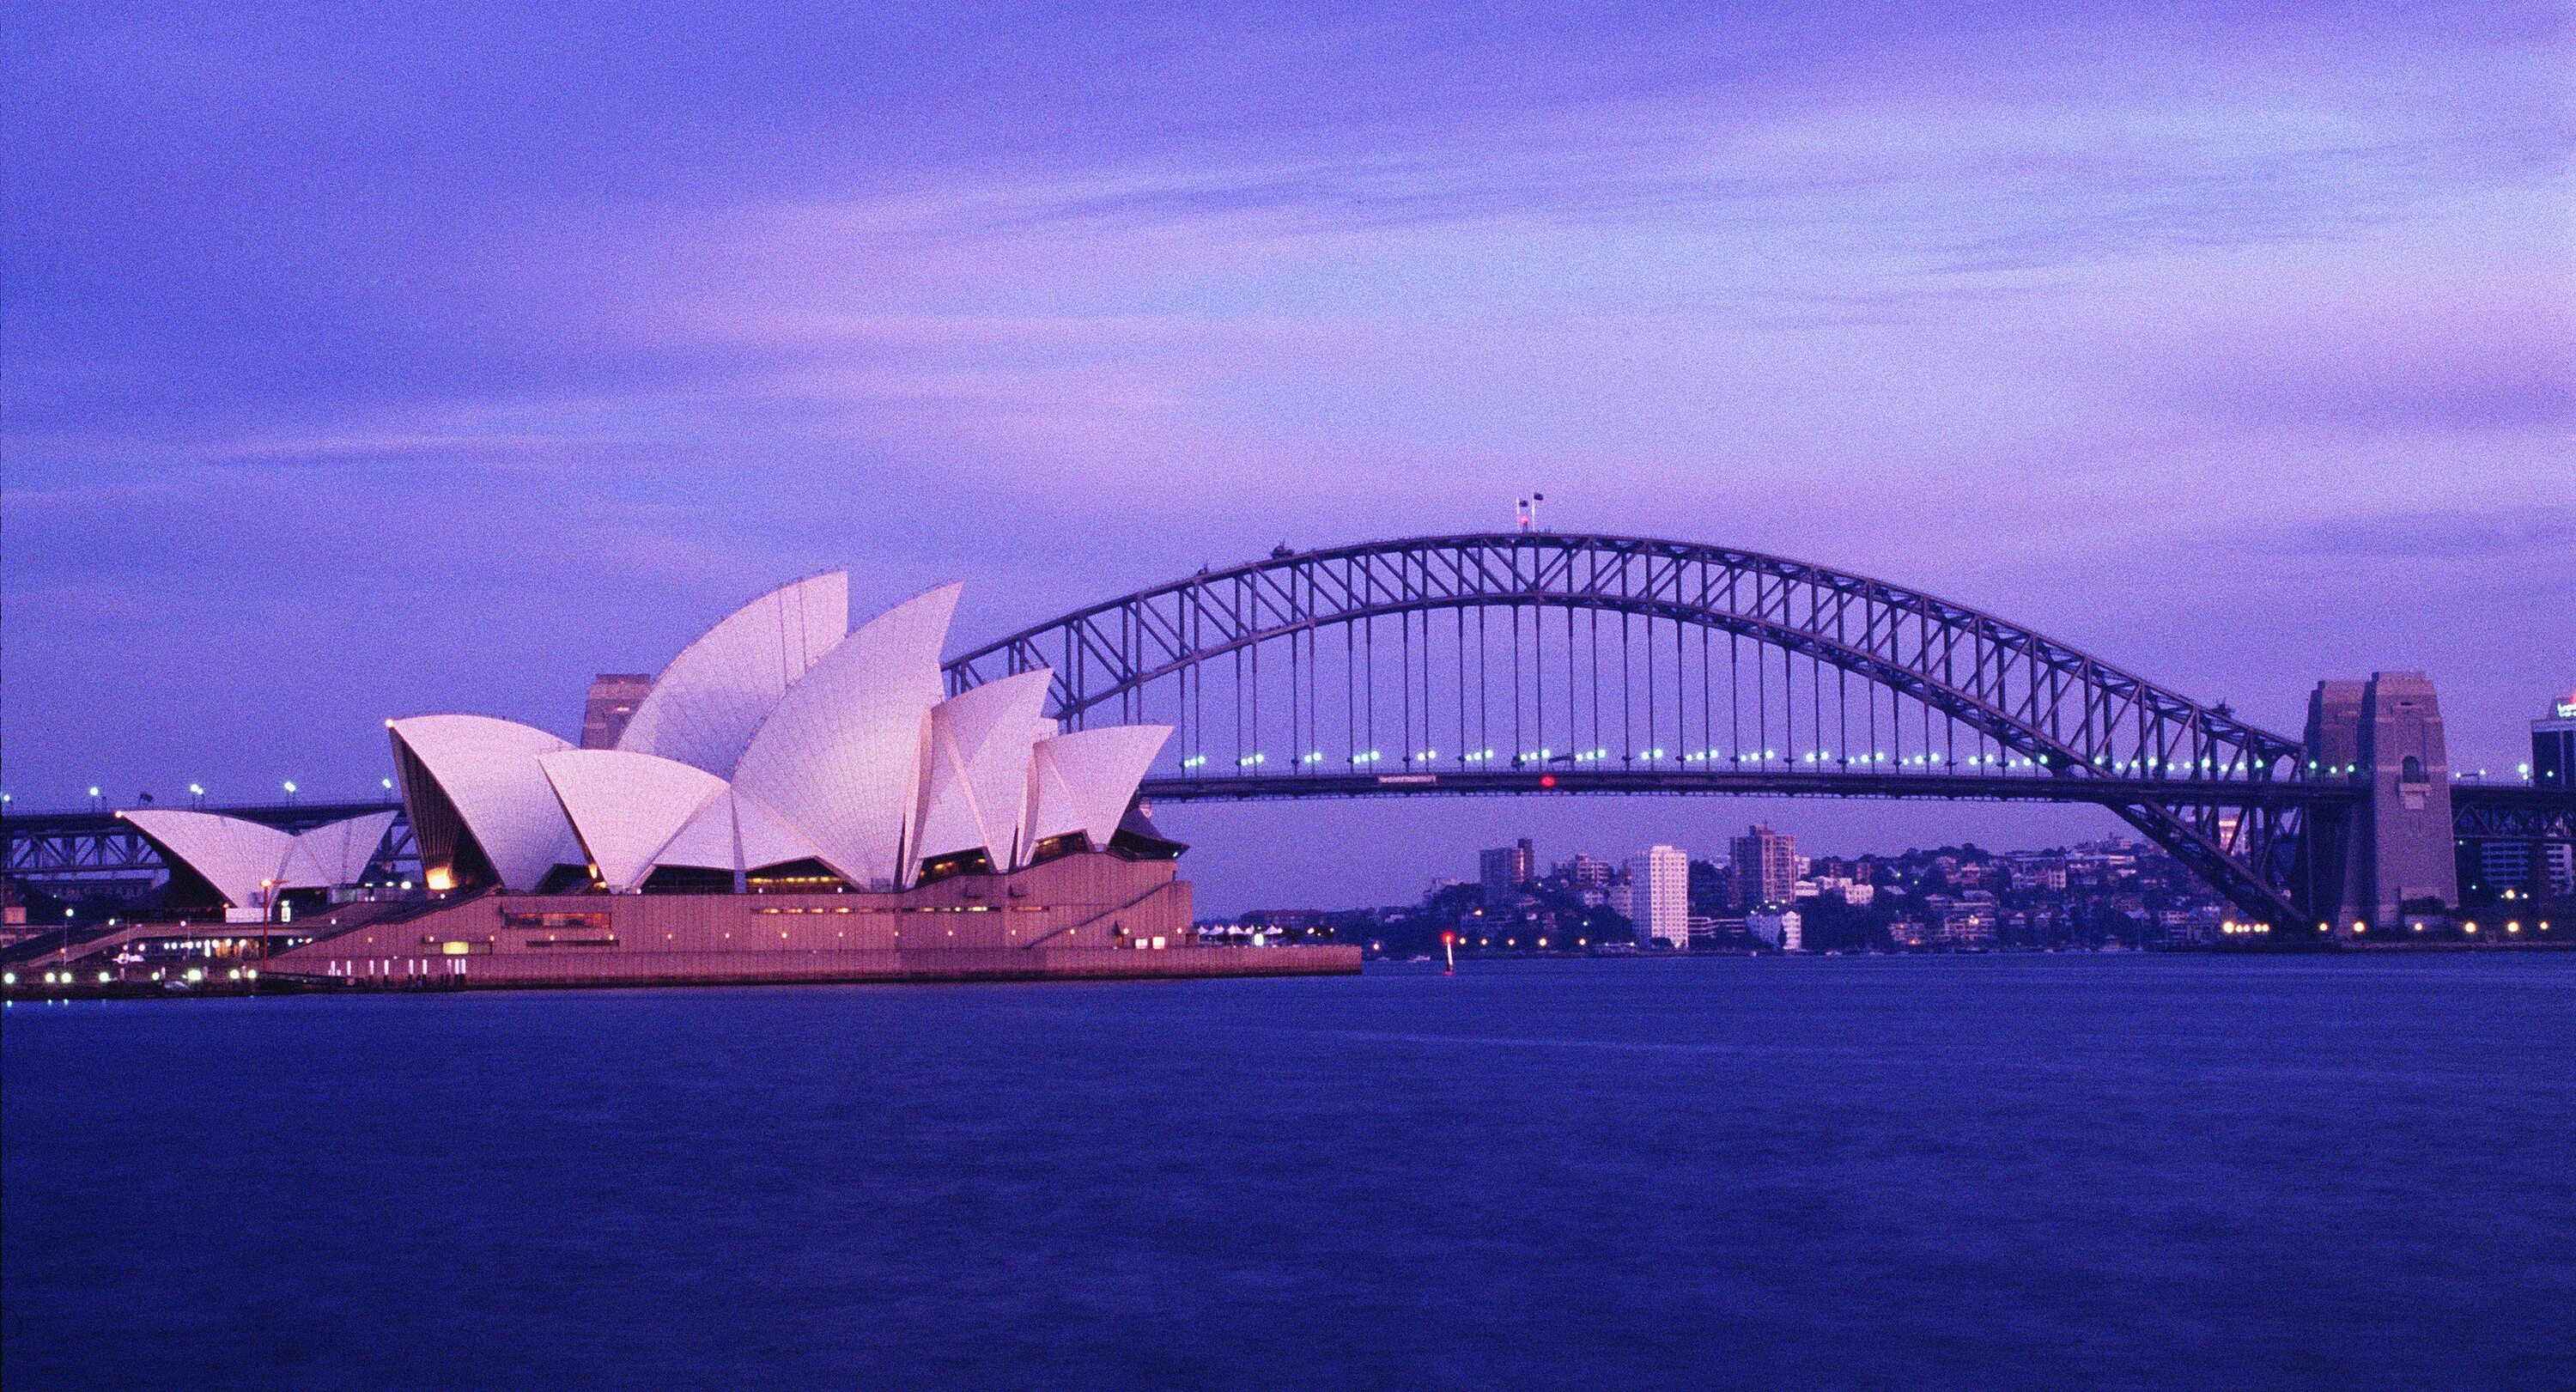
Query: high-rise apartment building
{"points": [[1659, 897], [2553, 746], [1765, 869], [613, 699], [1504, 869]]}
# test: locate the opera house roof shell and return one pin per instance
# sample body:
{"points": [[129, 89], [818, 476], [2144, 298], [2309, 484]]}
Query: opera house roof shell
{"points": [[247, 864], [779, 738]]}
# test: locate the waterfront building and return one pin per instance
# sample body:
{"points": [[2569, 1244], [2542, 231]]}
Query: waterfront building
{"points": [[1765, 868], [1659, 890], [2553, 745], [1967, 922], [783, 766], [2527, 869], [1784, 929]]}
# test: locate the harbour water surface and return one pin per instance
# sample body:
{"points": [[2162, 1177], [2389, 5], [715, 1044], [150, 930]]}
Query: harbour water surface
{"points": [[2068, 1172]]}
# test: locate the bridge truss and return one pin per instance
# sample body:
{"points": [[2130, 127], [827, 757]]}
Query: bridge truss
{"points": [[1545, 662]]}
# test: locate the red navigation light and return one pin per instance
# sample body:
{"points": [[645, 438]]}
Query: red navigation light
{"points": [[1547, 780], [1448, 938]]}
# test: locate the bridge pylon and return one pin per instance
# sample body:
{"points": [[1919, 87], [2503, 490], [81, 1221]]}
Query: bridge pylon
{"points": [[2373, 861]]}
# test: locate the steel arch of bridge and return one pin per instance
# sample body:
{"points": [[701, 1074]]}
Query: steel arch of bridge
{"points": [[2043, 712]]}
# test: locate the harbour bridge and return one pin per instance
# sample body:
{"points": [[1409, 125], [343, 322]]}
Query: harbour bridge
{"points": [[1539, 663]]}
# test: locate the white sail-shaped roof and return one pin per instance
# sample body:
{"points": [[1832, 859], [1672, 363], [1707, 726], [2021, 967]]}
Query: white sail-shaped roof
{"points": [[767, 838], [240, 859], [706, 706], [737, 832], [335, 853], [1085, 780], [841, 756], [976, 794], [626, 807], [487, 769], [706, 841]]}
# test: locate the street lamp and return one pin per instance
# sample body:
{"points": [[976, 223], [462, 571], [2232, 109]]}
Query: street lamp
{"points": [[198, 791], [95, 801], [290, 792]]}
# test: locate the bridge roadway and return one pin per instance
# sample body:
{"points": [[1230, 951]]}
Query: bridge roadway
{"points": [[1577, 779], [2479, 811], [92, 849]]}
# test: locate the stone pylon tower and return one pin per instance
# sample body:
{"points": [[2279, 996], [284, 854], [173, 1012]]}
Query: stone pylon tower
{"points": [[2411, 854], [2394, 849]]}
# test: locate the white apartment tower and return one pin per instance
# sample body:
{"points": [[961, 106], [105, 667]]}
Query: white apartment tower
{"points": [[1659, 889]]}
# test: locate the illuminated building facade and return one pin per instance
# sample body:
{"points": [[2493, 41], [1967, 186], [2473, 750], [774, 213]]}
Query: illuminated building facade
{"points": [[783, 776]]}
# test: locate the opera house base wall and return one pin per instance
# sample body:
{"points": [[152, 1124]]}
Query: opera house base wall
{"points": [[1088, 916]]}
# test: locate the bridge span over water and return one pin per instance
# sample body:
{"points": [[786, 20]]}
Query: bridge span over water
{"points": [[1531, 662], [1534, 663]]}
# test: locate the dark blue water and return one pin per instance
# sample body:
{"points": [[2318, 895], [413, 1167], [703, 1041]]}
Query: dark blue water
{"points": [[1995, 1173]]}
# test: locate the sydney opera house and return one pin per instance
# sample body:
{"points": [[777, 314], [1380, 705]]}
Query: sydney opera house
{"points": [[789, 800]]}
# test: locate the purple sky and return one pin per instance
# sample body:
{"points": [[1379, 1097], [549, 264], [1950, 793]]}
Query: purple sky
{"points": [[363, 365]]}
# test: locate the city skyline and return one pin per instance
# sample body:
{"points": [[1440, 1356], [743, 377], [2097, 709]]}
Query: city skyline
{"points": [[2113, 894], [2236, 351]]}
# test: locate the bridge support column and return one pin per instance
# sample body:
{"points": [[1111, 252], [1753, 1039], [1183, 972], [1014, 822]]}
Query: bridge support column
{"points": [[2395, 849], [2411, 855]]}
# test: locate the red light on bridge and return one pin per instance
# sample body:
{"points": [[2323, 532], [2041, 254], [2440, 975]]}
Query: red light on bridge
{"points": [[1547, 780]]}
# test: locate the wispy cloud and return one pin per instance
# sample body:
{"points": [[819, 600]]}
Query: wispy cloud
{"points": [[2543, 532], [1978, 304]]}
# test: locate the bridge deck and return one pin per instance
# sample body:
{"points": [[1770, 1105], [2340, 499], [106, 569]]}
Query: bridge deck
{"points": [[2117, 792]]}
